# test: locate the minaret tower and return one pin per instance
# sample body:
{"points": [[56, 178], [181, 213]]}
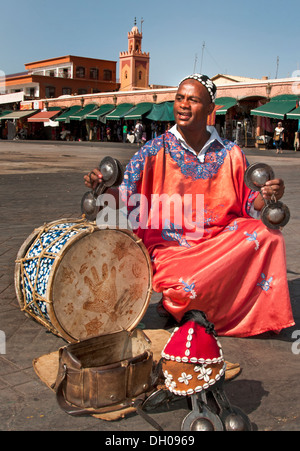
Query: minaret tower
{"points": [[134, 64]]}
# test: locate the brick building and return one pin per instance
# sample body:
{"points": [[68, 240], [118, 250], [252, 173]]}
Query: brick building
{"points": [[65, 75]]}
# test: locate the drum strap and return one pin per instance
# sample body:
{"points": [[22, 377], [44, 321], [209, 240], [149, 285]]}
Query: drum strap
{"points": [[74, 410]]}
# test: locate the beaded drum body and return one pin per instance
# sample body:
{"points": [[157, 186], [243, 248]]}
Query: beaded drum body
{"points": [[80, 281]]}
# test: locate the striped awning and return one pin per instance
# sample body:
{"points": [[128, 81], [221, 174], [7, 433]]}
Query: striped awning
{"points": [[20, 114], [43, 116]]}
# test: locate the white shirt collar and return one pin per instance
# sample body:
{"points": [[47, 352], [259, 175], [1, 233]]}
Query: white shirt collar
{"points": [[214, 135]]}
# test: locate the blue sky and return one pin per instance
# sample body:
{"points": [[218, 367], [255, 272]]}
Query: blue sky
{"points": [[241, 38]]}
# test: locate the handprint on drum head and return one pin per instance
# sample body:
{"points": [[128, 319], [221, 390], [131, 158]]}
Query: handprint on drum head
{"points": [[104, 293], [103, 290]]}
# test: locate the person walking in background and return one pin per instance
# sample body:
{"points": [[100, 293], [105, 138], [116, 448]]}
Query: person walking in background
{"points": [[297, 140], [108, 133], [124, 133], [279, 137], [138, 131]]}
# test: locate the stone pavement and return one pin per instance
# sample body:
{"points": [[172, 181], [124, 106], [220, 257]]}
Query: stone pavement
{"points": [[42, 182]]}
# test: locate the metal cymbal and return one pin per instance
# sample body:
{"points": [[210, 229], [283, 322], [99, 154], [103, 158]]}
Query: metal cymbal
{"points": [[112, 172], [257, 175], [233, 418], [201, 418], [236, 420], [89, 206], [275, 215]]}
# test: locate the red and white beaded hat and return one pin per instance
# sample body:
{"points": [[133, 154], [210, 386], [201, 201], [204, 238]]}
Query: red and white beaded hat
{"points": [[192, 358], [191, 343]]}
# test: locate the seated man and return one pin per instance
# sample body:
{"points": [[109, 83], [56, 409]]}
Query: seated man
{"points": [[210, 252]]}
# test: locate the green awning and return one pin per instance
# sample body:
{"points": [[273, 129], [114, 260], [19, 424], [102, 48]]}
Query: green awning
{"points": [[64, 117], [226, 103], [294, 114], [277, 108], [284, 97], [97, 114], [138, 111], [81, 115], [162, 112], [119, 112], [20, 114]]}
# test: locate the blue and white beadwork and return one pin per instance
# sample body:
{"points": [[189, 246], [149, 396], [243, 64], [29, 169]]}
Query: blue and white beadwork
{"points": [[38, 262]]}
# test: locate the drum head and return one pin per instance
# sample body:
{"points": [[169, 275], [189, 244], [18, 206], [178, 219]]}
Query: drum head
{"points": [[101, 285]]}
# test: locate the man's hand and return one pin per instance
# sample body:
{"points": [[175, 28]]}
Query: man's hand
{"points": [[272, 188], [93, 178]]}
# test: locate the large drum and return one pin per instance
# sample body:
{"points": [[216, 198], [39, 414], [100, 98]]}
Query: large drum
{"points": [[80, 281]]}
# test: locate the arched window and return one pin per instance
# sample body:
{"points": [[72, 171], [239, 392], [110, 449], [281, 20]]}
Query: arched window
{"points": [[140, 75]]}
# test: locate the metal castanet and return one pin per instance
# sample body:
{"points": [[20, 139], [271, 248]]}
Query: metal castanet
{"points": [[220, 415], [112, 172], [201, 418], [275, 214], [233, 418]]}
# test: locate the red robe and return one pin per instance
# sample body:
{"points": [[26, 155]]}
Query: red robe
{"points": [[229, 265]]}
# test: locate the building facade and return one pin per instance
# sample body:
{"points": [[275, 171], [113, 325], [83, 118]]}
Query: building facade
{"points": [[90, 87], [65, 75]]}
